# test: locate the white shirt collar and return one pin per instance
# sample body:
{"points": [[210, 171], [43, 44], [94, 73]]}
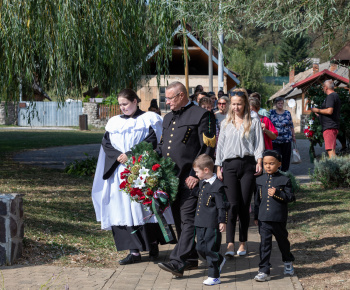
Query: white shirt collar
{"points": [[211, 179]]}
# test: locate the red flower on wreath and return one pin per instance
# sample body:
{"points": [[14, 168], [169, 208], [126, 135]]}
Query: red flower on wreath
{"points": [[308, 133], [155, 166], [122, 185], [133, 160], [149, 192], [139, 160], [141, 197], [124, 173], [147, 202], [136, 191]]}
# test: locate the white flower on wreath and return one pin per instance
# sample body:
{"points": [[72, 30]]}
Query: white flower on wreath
{"points": [[144, 172], [311, 122], [306, 127], [139, 183]]}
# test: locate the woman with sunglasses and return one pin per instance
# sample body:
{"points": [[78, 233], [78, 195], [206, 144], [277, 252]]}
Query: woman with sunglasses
{"points": [[223, 104], [239, 153]]}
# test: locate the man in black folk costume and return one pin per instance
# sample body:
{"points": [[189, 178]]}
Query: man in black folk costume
{"points": [[188, 131]]}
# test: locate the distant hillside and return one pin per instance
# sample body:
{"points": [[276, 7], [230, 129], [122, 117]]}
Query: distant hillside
{"points": [[267, 43]]}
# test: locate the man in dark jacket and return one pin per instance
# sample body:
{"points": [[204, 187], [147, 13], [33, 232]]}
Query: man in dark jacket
{"points": [[188, 131]]}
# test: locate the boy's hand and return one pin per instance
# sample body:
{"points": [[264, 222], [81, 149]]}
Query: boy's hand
{"points": [[222, 227], [256, 222], [271, 191]]}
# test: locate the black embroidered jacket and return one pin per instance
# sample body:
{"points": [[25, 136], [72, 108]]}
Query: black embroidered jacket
{"points": [[187, 133], [212, 204], [274, 208]]}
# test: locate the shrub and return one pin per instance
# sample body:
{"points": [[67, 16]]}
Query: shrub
{"points": [[86, 99], [112, 99], [86, 167], [295, 182], [333, 172]]}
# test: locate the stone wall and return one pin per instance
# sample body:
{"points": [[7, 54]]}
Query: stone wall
{"points": [[8, 113], [11, 228], [92, 110]]}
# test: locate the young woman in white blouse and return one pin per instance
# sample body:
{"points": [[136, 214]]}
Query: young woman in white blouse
{"points": [[239, 154]]}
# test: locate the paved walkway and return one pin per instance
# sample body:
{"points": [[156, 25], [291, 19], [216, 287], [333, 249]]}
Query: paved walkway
{"points": [[238, 273]]}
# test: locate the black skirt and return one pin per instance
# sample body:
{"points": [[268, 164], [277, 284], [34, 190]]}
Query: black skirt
{"points": [[141, 239]]}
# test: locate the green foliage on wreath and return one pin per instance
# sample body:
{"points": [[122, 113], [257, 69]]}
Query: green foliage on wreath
{"points": [[86, 167], [168, 181], [316, 96]]}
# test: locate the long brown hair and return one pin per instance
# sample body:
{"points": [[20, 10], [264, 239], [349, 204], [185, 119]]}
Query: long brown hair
{"points": [[247, 120]]}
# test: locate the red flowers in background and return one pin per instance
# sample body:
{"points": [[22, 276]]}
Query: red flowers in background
{"points": [[308, 133]]}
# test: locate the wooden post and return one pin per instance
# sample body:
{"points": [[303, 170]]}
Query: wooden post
{"points": [[186, 58], [302, 103]]}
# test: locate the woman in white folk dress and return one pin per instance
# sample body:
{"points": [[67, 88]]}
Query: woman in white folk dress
{"points": [[113, 207]]}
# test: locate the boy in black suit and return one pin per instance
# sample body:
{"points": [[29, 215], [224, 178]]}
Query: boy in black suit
{"points": [[211, 216], [273, 192]]}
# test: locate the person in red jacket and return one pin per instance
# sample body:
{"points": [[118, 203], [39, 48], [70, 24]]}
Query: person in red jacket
{"points": [[270, 132]]}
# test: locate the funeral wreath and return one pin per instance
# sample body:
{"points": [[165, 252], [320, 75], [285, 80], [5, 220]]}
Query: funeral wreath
{"points": [[150, 180]]}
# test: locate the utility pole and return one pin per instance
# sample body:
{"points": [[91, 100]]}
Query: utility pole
{"points": [[185, 56], [210, 64], [221, 56]]}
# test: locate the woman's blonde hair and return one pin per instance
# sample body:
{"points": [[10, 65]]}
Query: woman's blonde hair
{"points": [[247, 120]]}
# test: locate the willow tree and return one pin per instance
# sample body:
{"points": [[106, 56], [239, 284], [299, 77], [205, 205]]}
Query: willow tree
{"points": [[71, 45], [325, 18]]}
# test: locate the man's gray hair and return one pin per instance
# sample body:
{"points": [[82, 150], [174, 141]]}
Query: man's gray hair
{"points": [[179, 86], [225, 98], [329, 84]]}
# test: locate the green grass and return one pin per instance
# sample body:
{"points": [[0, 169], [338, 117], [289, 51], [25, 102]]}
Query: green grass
{"points": [[60, 223], [319, 226], [17, 140]]}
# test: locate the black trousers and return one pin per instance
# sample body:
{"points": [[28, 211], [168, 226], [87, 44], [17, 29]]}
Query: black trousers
{"points": [[208, 246], [279, 230], [239, 180], [285, 149], [184, 210]]}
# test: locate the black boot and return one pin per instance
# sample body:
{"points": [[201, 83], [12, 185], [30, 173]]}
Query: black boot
{"points": [[130, 259], [153, 251]]}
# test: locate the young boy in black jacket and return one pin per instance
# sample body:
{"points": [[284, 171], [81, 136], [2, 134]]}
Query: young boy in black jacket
{"points": [[273, 192], [211, 216]]}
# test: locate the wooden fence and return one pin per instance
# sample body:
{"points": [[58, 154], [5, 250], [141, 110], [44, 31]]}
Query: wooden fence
{"points": [[108, 111]]}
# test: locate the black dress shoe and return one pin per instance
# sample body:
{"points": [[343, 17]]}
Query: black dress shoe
{"points": [[171, 268], [130, 259], [191, 266], [153, 251]]}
